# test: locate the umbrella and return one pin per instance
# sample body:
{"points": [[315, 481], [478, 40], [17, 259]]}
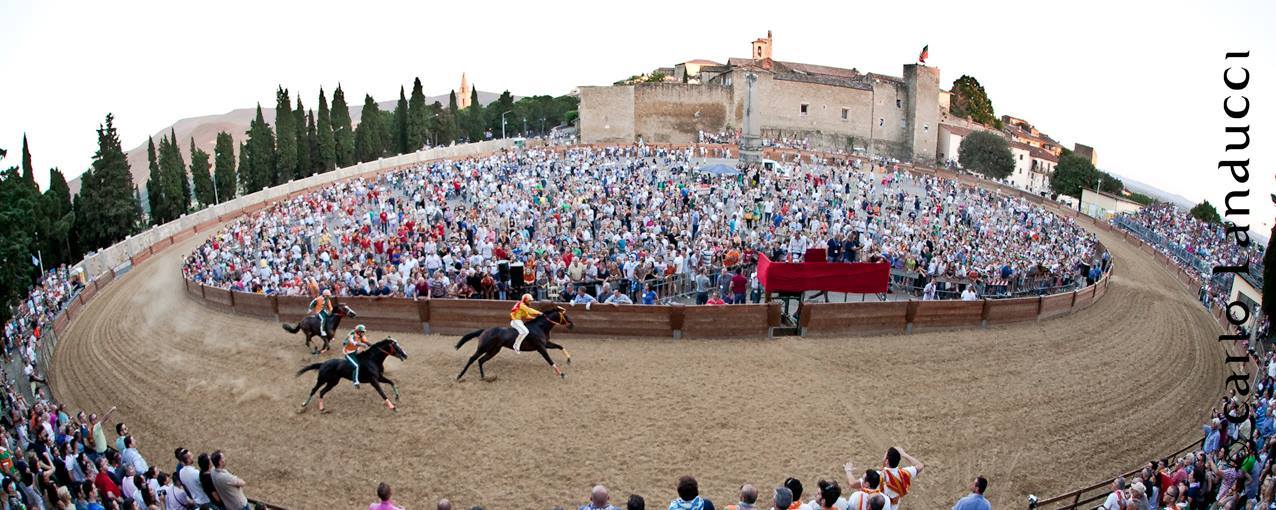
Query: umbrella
{"points": [[719, 169]]}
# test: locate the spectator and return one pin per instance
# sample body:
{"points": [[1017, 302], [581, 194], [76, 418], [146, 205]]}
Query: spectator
{"points": [[748, 498], [384, 493], [782, 499], [444, 504], [229, 486], [649, 296], [174, 493], [190, 477], [975, 500], [133, 457], [1117, 499], [689, 496], [739, 285], [828, 498], [715, 299], [599, 499], [619, 298], [636, 503], [896, 480], [795, 488], [583, 298], [969, 294], [121, 430]]}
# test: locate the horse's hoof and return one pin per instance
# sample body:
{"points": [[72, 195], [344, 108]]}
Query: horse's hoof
{"points": [[562, 375], [489, 379], [569, 361]]}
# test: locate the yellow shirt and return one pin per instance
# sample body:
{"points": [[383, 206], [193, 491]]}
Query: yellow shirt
{"points": [[522, 312]]}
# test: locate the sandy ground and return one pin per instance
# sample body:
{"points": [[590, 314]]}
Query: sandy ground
{"points": [[1038, 408]]}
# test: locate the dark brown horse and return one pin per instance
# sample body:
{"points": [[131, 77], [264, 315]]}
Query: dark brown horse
{"points": [[311, 327], [492, 340], [371, 370]]}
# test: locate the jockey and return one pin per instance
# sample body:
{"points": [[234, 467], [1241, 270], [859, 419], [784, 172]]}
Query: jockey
{"points": [[351, 346], [321, 305], [522, 311]]}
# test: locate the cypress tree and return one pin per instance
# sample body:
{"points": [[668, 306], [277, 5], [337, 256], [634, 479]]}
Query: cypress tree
{"points": [[204, 191], [304, 165], [154, 183], [261, 159], [418, 115], [57, 207], [112, 210], [172, 178], [400, 145], [224, 162], [324, 137], [451, 124], [286, 139], [367, 136], [312, 141], [245, 169], [17, 238], [28, 172], [179, 173], [342, 131]]}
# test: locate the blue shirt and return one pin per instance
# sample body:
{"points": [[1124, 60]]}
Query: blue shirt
{"points": [[649, 297], [972, 501], [582, 299]]}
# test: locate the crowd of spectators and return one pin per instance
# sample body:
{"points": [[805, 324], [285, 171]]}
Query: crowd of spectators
{"points": [[29, 318], [1232, 469], [876, 488], [1194, 245], [635, 219], [52, 460]]}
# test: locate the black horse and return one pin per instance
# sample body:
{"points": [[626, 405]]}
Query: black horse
{"points": [[492, 340], [311, 327], [370, 361]]}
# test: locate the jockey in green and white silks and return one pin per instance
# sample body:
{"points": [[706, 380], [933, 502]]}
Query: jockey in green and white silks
{"points": [[322, 306], [351, 345]]}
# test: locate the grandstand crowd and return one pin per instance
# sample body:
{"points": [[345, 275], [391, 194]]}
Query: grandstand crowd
{"points": [[638, 220], [1196, 247], [24, 329]]}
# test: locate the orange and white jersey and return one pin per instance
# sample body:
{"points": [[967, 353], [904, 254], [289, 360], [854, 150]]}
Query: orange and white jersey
{"points": [[858, 500], [896, 482]]}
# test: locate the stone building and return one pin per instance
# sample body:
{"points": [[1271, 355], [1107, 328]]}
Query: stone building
{"points": [[463, 95], [827, 107]]}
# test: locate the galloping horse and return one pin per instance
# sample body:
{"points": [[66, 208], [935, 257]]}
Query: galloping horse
{"points": [[334, 370], [492, 340], [310, 326]]}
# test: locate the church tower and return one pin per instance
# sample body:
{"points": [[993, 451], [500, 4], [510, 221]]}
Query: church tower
{"points": [[762, 47], [463, 95]]}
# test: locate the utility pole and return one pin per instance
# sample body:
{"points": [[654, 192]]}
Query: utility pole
{"points": [[503, 123]]}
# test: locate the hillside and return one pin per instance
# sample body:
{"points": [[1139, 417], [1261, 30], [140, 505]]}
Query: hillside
{"points": [[204, 130]]}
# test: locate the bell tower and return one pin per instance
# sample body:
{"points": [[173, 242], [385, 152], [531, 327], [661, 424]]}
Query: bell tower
{"points": [[762, 48], [463, 95]]}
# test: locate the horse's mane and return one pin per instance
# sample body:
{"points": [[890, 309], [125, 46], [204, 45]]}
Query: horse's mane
{"points": [[544, 316]]}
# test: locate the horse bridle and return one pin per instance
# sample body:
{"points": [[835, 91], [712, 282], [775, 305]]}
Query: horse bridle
{"points": [[562, 314]]}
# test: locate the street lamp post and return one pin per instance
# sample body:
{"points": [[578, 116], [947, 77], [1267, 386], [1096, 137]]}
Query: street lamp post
{"points": [[503, 123]]}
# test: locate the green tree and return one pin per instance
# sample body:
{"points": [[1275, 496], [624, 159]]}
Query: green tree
{"points": [[504, 103], [970, 100], [1142, 199], [1072, 174], [173, 183], [245, 169], [342, 132], [28, 171], [452, 123], [327, 145], [58, 209], [312, 141], [204, 192], [400, 145], [110, 208], [17, 238], [368, 144], [1206, 212], [224, 166], [475, 118], [987, 154], [1109, 183], [154, 183], [256, 167], [286, 139], [305, 165], [418, 118]]}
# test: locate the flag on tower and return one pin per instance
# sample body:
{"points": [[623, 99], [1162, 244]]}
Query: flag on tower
{"points": [[925, 54]]}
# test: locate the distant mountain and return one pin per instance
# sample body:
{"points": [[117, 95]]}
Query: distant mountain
{"points": [[204, 129], [1157, 193]]}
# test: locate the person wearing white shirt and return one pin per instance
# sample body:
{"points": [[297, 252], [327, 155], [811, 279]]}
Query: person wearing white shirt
{"points": [[189, 477], [131, 456], [969, 294]]}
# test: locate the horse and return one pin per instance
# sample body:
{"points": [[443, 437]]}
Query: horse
{"points": [[310, 326], [492, 340], [334, 370]]}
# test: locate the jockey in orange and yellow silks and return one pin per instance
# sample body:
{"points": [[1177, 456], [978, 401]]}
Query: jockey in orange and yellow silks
{"points": [[522, 311]]}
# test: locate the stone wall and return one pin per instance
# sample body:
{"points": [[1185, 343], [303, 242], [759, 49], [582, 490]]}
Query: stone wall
{"points": [[607, 114], [677, 112], [923, 112]]}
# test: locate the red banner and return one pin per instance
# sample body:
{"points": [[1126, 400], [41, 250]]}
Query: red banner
{"points": [[855, 277]]}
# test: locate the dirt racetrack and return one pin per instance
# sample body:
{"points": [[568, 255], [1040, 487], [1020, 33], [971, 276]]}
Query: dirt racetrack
{"points": [[1041, 407]]}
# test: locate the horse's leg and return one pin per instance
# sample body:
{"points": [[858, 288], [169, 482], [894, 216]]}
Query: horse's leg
{"points": [[552, 345], [376, 385], [468, 363], [393, 387], [491, 353], [330, 385], [318, 383], [545, 354]]}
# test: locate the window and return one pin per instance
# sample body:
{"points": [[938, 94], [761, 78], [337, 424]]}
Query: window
{"points": [[846, 113], [805, 107], [899, 103]]}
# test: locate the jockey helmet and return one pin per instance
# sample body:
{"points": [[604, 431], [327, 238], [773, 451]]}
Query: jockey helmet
{"points": [[361, 328], [527, 298]]}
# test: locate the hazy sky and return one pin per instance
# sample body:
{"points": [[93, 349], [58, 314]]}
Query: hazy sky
{"points": [[1139, 81]]}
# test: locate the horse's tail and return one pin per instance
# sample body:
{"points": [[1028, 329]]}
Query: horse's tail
{"points": [[290, 328], [468, 337], [307, 368]]}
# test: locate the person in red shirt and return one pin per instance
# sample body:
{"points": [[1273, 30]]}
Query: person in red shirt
{"points": [[715, 299], [103, 481], [739, 284]]}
